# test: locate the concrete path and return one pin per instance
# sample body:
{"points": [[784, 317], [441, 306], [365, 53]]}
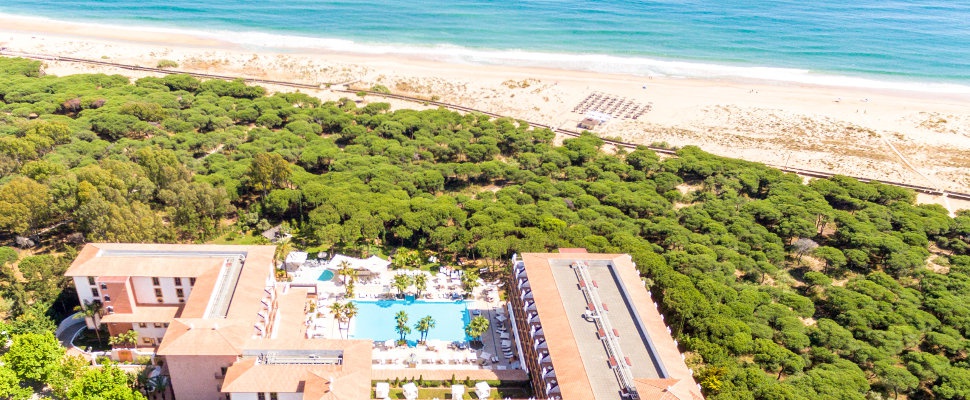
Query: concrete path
{"points": [[68, 328]]}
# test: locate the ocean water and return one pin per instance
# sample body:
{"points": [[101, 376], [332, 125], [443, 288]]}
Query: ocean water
{"points": [[913, 44]]}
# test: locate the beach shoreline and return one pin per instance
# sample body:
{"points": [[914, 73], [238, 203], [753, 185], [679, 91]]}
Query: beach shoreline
{"points": [[920, 138]]}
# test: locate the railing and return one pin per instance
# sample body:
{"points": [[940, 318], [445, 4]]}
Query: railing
{"points": [[225, 289], [623, 371]]}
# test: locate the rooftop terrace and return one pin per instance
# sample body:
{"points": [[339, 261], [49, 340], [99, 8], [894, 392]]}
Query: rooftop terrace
{"points": [[604, 334]]}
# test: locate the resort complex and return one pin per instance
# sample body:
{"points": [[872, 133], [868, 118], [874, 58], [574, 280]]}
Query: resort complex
{"points": [[223, 326]]}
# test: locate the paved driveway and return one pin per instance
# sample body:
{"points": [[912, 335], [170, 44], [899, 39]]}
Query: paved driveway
{"points": [[69, 327]]}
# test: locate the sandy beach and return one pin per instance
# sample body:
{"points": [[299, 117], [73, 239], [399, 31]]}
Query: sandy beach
{"points": [[912, 137]]}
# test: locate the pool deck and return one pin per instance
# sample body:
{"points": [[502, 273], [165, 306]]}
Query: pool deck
{"points": [[390, 363]]}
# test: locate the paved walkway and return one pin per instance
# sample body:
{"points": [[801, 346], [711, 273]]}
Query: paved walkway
{"points": [[69, 327]]}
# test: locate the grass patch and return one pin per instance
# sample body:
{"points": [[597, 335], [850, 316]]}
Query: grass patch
{"points": [[233, 237]]}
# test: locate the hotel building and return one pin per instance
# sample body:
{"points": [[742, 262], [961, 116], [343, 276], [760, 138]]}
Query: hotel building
{"points": [[219, 321], [589, 329]]}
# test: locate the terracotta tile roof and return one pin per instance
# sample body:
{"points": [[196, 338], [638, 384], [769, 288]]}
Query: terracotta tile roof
{"points": [[574, 382], [566, 360], [350, 380], [89, 261], [208, 337], [198, 299], [668, 389], [144, 314]]}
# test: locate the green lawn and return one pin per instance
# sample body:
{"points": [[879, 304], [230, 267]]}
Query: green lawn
{"points": [[445, 393], [233, 237]]}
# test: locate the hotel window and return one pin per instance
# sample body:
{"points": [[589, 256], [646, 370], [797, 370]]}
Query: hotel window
{"points": [[110, 309], [91, 280], [158, 292], [107, 298], [165, 324], [159, 299], [260, 396], [178, 281], [146, 340], [94, 292], [179, 293], [274, 396], [158, 324], [155, 281], [142, 325], [191, 281]]}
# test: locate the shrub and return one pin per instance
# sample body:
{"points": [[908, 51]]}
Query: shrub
{"points": [[167, 64]]}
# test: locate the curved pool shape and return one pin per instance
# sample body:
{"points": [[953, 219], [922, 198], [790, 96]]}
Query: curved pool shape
{"points": [[326, 276], [375, 319]]}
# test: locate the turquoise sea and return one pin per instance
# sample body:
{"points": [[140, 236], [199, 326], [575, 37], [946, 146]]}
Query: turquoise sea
{"points": [[912, 44]]}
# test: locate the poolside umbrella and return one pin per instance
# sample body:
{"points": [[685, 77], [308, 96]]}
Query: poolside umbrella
{"points": [[486, 355], [483, 390], [457, 391], [500, 318], [410, 391], [382, 390]]}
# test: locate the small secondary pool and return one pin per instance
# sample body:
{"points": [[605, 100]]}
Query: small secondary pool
{"points": [[375, 319], [326, 276]]}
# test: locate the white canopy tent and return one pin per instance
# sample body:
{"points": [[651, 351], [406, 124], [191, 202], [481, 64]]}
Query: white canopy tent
{"points": [[457, 391], [294, 260], [382, 390], [410, 391], [373, 264], [483, 390]]}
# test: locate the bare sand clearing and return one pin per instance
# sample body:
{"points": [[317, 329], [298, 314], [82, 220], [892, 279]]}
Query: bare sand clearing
{"points": [[916, 138]]}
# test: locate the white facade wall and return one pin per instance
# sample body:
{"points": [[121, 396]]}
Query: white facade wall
{"points": [[85, 295], [149, 331], [84, 289], [145, 290]]}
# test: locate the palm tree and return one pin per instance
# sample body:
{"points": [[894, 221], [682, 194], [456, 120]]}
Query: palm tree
{"points": [[477, 327], [282, 249], [401, 283], [343, 313], [402, 327], [345, 270], [424, 325], [349, 290], [127, 339], [91, 309], [420, 283], [469, 279], [350, 311], [158, 384]]}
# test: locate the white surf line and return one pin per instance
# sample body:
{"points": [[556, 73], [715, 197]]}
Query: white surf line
{"points": [[934, 182]]}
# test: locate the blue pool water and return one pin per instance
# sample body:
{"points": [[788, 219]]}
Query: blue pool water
{"points": [[375, 319], [327, 275]]}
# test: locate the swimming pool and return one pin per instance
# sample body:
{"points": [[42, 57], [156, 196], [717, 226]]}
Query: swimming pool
{"points": [[375, 319], [326, 275]]}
